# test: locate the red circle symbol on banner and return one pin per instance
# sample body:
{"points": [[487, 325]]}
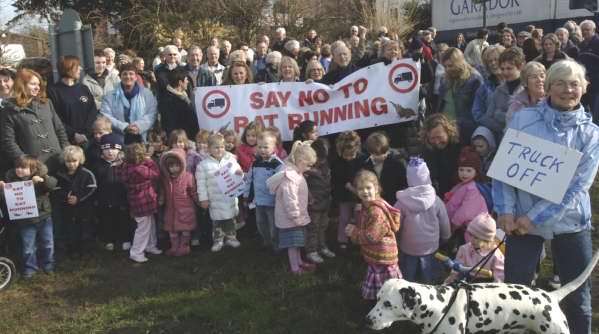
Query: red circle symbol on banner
{"points": [[216, 103], [403, 81]]}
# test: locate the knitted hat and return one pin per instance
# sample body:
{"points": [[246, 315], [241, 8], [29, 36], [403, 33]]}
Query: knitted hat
{"points": [[131, 138], [483, 227], [470, 158], [417, 172], [111, 140]]}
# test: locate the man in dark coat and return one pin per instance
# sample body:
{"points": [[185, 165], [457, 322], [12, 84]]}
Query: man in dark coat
{"points": [[175, 107]]}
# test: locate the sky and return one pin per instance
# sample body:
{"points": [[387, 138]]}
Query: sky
{"points": [[7, 12]]}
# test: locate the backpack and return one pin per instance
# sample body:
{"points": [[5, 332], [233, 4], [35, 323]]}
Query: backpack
{"points": [[485, 189]]}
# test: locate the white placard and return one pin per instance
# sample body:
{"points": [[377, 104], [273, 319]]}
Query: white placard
{"points": [[375, 95], [229, 181], [535, 165], [20, 200]]}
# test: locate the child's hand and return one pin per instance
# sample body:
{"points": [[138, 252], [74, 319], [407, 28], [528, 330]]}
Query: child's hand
{"points": [[239, 172], [204, 204], [71, 200], [37, 179], [1, 185], [349, 230]]}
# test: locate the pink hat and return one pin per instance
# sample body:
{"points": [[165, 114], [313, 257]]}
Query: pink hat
{"points": [[483, 227]]}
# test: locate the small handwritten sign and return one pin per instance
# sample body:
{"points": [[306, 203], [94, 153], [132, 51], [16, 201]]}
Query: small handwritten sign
{"points": [[20, 200], [229, 182], [535, 165]]}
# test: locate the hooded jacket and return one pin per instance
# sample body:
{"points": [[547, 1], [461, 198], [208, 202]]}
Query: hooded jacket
{"points": [[110, 81], [319, 186], [573, 129], [180, 195], [424, 220], [222, 207], [291, 198], [139, 180], [486, 161], [42, 192], [375, 232], [464, 202], [495, 117]]}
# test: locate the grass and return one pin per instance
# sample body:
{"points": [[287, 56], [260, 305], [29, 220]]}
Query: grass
{"points": [[245, 290]]}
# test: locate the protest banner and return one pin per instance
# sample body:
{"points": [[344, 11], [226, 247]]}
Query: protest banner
{"points": [[20, 200], [376, 95], [230, 181], [534, 165]]}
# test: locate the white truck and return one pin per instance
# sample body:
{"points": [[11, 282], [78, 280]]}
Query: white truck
{"points": [[451, 17]]}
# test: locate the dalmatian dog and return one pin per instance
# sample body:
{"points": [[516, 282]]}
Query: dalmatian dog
{"points": [[478, 308]]}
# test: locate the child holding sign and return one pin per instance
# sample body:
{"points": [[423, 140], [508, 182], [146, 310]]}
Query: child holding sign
{"points": [[223, 208], [36, 233]]}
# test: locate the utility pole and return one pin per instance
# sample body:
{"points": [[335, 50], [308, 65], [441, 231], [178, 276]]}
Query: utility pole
{"points": [[484, 3]]}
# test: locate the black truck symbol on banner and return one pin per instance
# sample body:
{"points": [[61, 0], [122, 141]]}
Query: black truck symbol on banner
{"points": [[218, 102], [406, 76]]}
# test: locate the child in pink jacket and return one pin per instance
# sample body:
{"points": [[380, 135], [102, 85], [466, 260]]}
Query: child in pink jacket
{"points": [[179, 194], [482, 231], [291, 203], [464, 201]]}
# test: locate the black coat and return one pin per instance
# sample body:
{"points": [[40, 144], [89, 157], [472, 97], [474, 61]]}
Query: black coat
{"points": [[443, 166], [337, 74], [83, 185], [393, 175], [111, 192], [76, 107], [342, 172], [35, 129], [177, 113]]}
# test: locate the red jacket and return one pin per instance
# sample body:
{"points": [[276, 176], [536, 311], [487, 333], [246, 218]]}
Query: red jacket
{"points": [[180, 193], [139, 180], [246, 155]]}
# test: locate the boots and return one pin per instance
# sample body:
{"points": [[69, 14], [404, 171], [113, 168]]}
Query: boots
{"points": [[184, 248], [175, 244]]}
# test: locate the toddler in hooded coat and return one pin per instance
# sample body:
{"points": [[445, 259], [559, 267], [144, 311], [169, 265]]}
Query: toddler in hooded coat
{"points": [[424, 223], [179, 194]]}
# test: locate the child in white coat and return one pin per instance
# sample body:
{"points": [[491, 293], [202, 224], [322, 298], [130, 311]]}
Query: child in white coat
{"points": [[223, 208]]}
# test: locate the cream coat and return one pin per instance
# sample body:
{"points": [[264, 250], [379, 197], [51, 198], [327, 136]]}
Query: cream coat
{"points": [[221, 207]]}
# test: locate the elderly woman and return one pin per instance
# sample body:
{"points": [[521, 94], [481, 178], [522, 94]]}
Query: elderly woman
{"points": [[292, 49], [271, 72], [341, 65], [529, 220], [551, 52], [74, 103], [131, 108], [492, 78], [29, 123], [389, 51], [238, 74], [314, 71], [288, 70], [532, 78]]}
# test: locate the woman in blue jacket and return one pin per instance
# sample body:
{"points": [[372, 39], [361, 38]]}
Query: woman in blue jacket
{"points": [[528, 219]]}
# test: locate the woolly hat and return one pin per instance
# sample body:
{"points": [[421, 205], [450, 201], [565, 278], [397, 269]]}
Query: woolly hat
{"points": [[417, 172], [111, 140], [483, 227], [470, 158]]}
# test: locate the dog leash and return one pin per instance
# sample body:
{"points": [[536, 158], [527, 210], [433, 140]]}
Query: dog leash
{"points": [[465, 284]]}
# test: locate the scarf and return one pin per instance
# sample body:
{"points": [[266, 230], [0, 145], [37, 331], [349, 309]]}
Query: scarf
{"points": [[134, 105], [182, 95], [101, 78]]}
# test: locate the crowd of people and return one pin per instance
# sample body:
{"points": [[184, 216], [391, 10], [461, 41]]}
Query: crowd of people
{"points": [[116, 155]]}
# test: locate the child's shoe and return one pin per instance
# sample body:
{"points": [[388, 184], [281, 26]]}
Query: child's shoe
{"points": [[109, 247], [175, 244], [184, 248], [217, 246], [554, 282], [232, 242], [126, 246], [314, 257], [138, 259], [154, 251], [195, 242], [309, 267], [327, 252]]}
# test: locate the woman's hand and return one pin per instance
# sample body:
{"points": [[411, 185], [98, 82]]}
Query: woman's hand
{"points": [[37, 179], [204, 204], [524, 225], [507, 223]]}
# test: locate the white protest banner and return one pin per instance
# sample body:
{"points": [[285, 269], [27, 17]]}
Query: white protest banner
{"points": [[376, 95], [20, 200], [230, 181], [534, 165]]}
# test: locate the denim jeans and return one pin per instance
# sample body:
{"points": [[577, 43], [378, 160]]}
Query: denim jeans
{"points": [[420, 269], [265, 222], [37, 239], [572, 252]]}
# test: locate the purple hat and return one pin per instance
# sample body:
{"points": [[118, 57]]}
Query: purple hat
{"points": [[417, 172]]}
